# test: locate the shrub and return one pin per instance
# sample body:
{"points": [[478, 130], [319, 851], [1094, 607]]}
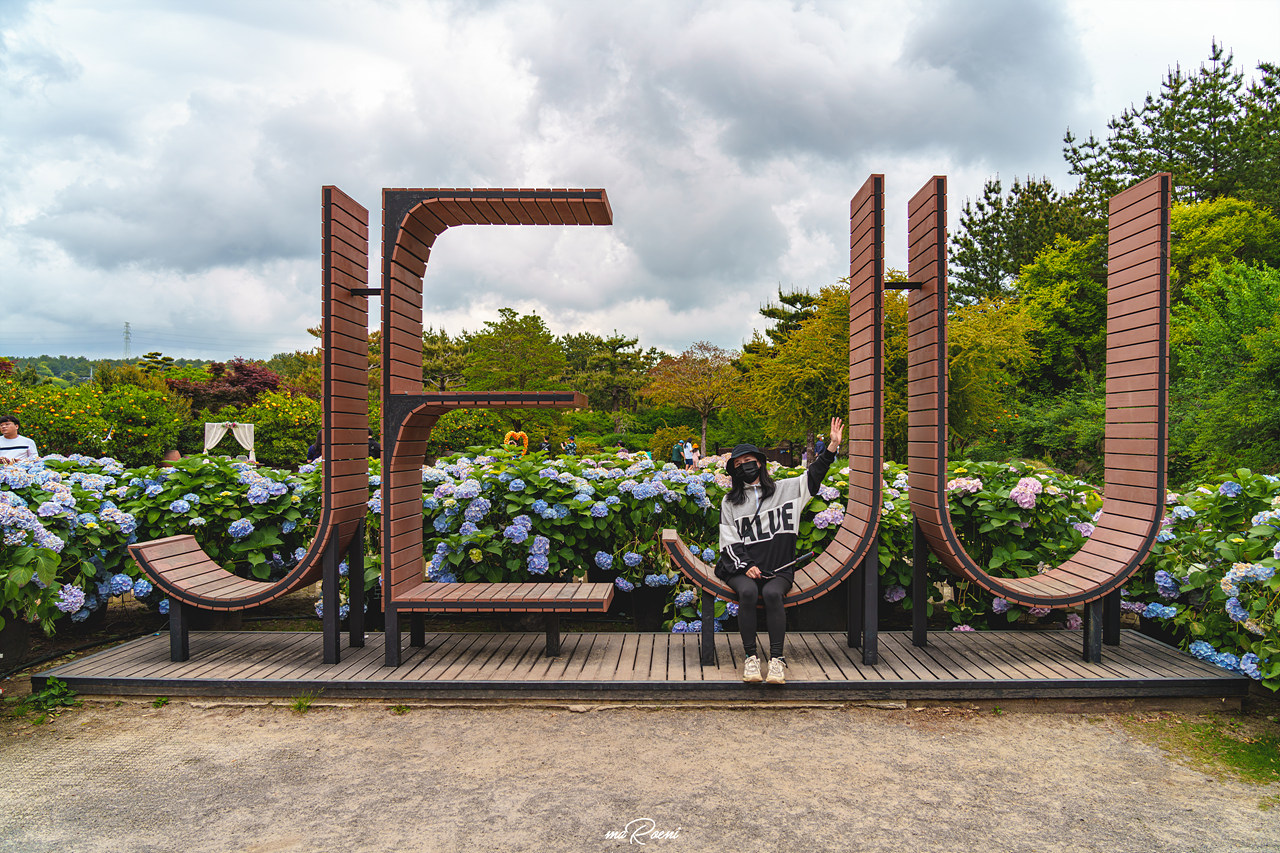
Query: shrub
{"points": [[284, 426], [143, 424]]}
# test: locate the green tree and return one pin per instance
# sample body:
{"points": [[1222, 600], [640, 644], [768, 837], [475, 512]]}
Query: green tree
{"points": [[444, 359], [610, 371], [1001, 233], [701, 378], [1205, 128], [1228, 337], [1213, 233], [517, 353], [791, 309], [1064, 294], [805, 383]]}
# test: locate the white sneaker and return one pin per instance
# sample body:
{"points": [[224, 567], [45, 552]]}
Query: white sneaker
{"points": [[751, 672], [776, 675]]}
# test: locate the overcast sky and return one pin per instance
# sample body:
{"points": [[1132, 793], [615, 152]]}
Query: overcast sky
{"points": [[161, 162]]}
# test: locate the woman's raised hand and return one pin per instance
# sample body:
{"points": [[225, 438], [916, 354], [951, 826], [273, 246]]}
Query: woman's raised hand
{"points": [[836, 434]]}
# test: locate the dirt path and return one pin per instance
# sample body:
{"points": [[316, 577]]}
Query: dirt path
{"points": [[261, 778]]}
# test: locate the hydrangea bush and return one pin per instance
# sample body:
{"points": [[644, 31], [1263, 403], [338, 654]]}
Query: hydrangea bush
{"points": [[494, 515]]}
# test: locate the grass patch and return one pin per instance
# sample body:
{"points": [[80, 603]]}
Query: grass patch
{"points": [[1243, 748], [160, 702], [55, 698], [399, 709], [302, 704]]}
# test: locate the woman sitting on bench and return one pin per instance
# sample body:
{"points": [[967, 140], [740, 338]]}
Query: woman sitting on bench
{"points": [[759, 522]]}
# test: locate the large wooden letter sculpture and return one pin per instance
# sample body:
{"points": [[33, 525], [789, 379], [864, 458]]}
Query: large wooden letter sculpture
{"points": [[855, 544], [1137, 393], [180, 567], [411, 221]]}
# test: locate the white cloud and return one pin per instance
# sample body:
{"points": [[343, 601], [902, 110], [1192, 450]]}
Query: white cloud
{"points": [[161, 164]]}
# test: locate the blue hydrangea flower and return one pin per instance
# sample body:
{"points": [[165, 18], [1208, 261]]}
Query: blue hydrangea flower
{"points": [[686, 598], [240, 529], [468, 529], [516, 485], [623, 584], [288, 526], [599, 510], [120, 584], [680, 627], [612, 500], [141, 588], [154, 490], [603, 560], [1164, 536], [468, 489], [1166, 585], [1160, 611], [197, 522], [375, 480], [191, 498], [180, 506], [515, 533], [540, 545], [477, 509], [1202, 650], [163, 607], [442, 524], [258, 495], [708, 554], [1183, 512], [1230, 489], [631, 559], [731, 609], [1249, 666], [83, 614], [1235, 611], [538, 564]]}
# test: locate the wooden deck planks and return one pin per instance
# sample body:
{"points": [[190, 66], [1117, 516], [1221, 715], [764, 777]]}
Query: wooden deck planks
{"points": [[1031, 663]]}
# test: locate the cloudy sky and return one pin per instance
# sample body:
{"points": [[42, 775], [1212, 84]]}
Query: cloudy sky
{"points": [[161, 162]]}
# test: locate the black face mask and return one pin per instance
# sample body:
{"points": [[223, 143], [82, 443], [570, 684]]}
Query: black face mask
{"points": [[749, 471]]}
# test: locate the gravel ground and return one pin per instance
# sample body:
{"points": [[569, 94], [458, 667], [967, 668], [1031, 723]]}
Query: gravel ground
{"points": [[209, 777]]}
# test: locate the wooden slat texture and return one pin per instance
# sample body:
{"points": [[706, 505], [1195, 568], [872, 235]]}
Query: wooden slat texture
{"points": [[996, 664], [1137, 377]]}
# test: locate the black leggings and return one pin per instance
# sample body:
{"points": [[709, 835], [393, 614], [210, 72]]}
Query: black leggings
{"points": [[771, 590]]}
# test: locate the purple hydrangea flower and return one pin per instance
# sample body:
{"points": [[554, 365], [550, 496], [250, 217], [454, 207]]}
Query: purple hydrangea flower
{"points": [[895, 593], [70, 599], [1000, 605], [1230, 489]]}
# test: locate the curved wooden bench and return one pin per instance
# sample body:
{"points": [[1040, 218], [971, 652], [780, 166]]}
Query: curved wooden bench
{"points": [[1136, 393], [412, 219], [178, 566], [854, 544]]}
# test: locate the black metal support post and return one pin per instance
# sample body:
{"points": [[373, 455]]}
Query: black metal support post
{"points": [[391, 636], [179, 630], [919, 586], [871, 605], [355, 588], [329, 599], [553, 635], [855, 590], [417, 630], [707, 639], [1111, 619], [1093, 632]]}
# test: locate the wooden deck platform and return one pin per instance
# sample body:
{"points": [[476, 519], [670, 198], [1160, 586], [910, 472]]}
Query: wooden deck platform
{"points": [[598, 666]]}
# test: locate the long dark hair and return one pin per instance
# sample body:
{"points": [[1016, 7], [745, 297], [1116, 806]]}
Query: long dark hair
{"points": [[738, 493]]}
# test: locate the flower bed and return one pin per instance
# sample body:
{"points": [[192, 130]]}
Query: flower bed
{"points": [[500, 515]]}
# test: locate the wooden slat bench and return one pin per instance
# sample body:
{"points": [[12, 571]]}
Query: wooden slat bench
{"points": [[178, 566], [854, 546], [412, 220], [1136, 427], [550, 599]]}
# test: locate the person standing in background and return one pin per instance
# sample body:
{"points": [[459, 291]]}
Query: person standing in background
{"points": [[13, 446]]}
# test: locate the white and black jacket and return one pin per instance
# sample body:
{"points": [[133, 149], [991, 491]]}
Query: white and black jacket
{"points": [[762, 531]]}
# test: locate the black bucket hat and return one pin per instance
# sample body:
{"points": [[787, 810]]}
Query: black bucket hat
{"points": [[740, 450]]}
